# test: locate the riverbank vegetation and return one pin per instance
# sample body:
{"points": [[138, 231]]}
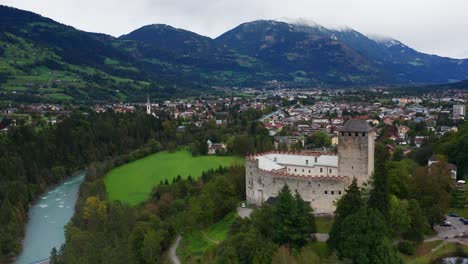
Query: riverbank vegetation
{"points": [[34, 157], [401, 203], [105, 231]]}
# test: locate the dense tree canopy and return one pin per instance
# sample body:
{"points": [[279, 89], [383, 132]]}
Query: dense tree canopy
{"points": [[365, 239], [350, 203]]}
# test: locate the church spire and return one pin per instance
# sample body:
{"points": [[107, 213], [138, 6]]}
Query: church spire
{"points": [[148, 104]]}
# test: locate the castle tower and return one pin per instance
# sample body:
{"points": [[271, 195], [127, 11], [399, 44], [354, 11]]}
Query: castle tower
{"points": [[148, 106], [356, 150]]}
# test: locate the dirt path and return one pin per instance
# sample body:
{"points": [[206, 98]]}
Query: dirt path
{"points": [[209, 239], [173, 251]]}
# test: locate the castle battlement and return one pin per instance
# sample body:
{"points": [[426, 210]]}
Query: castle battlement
{"points": [[297, 153]]}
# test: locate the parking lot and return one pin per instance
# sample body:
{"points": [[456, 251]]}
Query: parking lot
{"points": [[452, 232]]}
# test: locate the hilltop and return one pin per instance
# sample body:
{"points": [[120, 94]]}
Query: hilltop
{"points": [[44, 60]]}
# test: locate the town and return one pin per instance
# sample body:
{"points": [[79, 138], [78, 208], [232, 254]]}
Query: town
{"points": [[294, 115]]}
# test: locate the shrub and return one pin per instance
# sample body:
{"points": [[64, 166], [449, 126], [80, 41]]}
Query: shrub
{"points": [[407, 247]]}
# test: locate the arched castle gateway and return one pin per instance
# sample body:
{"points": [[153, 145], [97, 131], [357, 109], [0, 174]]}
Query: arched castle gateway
{"points": [[319, 177]]}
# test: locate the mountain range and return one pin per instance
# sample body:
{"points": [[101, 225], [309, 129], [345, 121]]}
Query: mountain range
{"points": [[41, 59]]}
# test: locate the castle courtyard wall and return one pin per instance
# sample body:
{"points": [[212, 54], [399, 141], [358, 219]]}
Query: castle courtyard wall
{"points": [[322, 192]]}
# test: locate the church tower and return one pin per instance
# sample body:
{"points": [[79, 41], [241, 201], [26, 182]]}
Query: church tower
{"points": [[148, 105], [356, 150]]}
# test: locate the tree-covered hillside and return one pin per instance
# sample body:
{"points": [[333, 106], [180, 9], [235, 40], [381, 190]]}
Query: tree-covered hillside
{"points": [[43, 60]]}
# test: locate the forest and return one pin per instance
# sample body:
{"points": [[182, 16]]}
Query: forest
{"points": [[35, 157], [403, 201]]}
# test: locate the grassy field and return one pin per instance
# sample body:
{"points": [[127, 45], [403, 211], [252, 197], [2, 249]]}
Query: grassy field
{"points": [[324, 224], [196, 245], [319, 248], [427, 252], [133, 182]]}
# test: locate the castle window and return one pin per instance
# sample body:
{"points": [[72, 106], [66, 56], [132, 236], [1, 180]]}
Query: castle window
{"points": [[357, 134], [309, 183], [307, 162], [352, 167], [321, 169], [332, 192], [339, 192], [363, 134], [316, 159], [326, 192], [330, 170], [342, 133], [295, 170], [302, 170], [309, 171], [289, 169], [275, 159], [349, 134]]}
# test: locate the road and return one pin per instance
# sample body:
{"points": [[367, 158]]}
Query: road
{"points": [[173, 250], [448, 233], [244, 212], [261, 119], [322, 237]]}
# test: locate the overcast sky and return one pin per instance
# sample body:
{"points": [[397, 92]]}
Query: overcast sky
{"points": [[432, 26]]}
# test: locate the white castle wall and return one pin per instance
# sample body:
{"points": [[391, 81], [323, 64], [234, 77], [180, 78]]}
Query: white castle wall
{"points": [[322, 191], [320, 178], [312, 171]]}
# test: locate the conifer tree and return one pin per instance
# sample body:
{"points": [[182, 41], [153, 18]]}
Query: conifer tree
{"points": [[349, 204], [304, 221], [365, 239], [379, 197], [53, 256], [293, 219], [283, 217]]}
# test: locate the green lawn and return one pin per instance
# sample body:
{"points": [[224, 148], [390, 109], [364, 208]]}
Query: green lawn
{"points": [[197, 244], [133, 182], [427, 252], [324, 224]]}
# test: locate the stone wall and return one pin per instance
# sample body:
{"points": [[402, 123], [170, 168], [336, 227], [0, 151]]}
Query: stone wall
{"points": [[356, 155], [321, 191], [312, 171]]}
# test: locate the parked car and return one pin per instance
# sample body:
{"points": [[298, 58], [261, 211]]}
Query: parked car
{"points": [[462, 219], [453, 214], [447, 223]]}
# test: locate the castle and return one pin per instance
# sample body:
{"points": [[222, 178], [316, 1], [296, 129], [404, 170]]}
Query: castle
{"points": [[319, 177]]}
